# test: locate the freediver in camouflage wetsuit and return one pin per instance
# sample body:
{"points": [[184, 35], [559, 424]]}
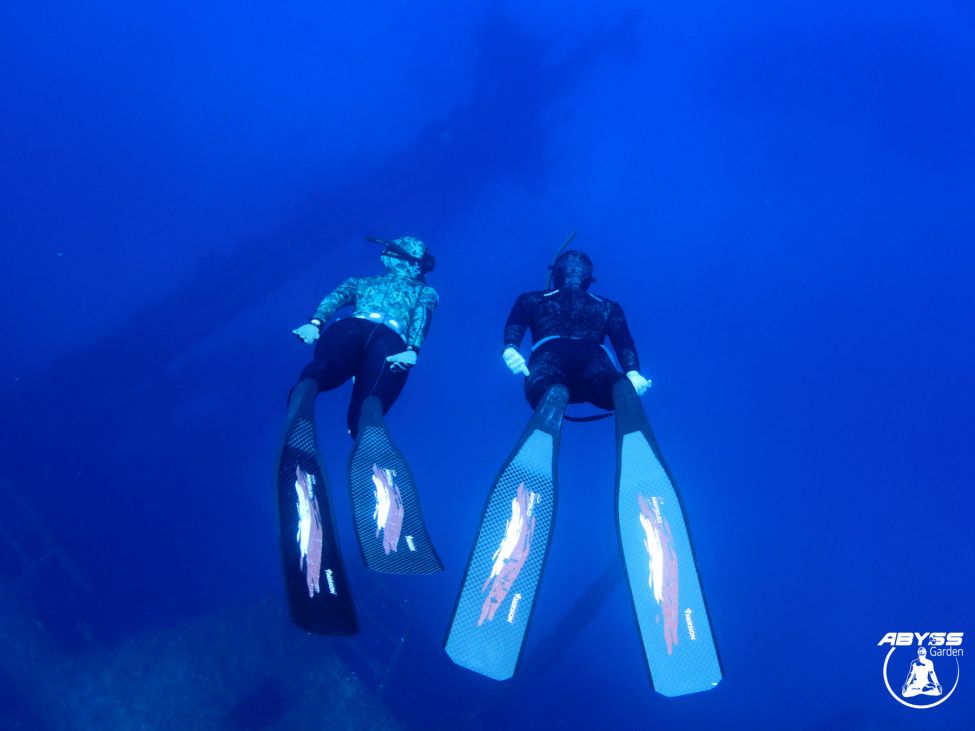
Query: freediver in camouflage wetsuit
{"points": [[380, 342]]}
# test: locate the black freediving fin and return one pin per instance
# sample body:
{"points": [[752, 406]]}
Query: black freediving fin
{"points": [[665, 587], [385, 504], [492, 613], [314, 575]]}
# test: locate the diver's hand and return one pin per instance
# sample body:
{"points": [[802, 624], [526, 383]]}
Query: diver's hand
{"points": [[308, 333], [640, 383], [402, 361], [515, 361]]}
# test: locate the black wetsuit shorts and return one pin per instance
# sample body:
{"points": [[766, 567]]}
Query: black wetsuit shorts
{"points": [[582, 365], [358, 348]]}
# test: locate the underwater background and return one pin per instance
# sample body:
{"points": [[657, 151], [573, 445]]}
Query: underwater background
{"points": [[780, 196]]}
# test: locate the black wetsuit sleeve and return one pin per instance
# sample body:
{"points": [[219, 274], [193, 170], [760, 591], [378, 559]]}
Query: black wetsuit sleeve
{"points": [[518, 321], [619, 336]]}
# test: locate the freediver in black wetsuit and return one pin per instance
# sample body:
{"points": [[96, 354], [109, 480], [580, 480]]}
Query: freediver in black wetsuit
{"points": [[569, 364], [568, 326]]}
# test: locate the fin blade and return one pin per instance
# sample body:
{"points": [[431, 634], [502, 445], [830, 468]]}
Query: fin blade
{"points": [[665, 586], [385, 502], [315, 578], [494, 608]]}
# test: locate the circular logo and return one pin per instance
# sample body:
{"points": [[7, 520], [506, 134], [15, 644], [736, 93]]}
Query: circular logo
{"points": [[917, 678]]}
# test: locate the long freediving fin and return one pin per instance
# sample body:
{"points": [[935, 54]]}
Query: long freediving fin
{"points": [[494, 607], [314, 575], [385, 504], [669, 603]]}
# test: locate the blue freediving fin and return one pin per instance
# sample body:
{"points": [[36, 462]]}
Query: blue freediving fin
{"points": [[385, 504], [314, 575], [492, 613], [665, 587]]}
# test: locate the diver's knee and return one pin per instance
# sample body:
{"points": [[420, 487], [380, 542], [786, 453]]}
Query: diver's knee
{"points": [[537, 390], [305, 388], [623, 391]]}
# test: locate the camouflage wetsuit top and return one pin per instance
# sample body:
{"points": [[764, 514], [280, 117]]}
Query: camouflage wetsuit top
{"points": [[396, 299]]}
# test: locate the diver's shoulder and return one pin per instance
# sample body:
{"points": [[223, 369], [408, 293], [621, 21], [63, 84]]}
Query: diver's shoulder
{"points": [[604, 300], [583, 294], [370, 279]]}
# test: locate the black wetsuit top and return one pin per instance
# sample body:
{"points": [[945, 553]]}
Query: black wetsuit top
{"points": [[577, 323]]}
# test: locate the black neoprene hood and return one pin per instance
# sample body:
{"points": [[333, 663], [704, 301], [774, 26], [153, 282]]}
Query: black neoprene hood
{"points": [[575, 256]]}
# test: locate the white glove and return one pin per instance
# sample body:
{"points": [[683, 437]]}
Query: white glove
{"points": [[515, 361], [402, 361], [640, 383], [307, 332]]}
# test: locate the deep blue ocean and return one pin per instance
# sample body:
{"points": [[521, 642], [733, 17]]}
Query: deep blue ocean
{"points": [[781, 196]]}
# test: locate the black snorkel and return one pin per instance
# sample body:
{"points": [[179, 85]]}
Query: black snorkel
{"points": [[548, 285], [426, 263], [551, 265]]}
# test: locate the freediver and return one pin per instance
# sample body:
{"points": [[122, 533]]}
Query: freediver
{"points": [[380, 342], [569, 363], [376, 347], [568, 327]]}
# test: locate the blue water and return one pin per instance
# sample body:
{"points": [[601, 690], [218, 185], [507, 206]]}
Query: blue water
{"points": [[780, 197]]}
